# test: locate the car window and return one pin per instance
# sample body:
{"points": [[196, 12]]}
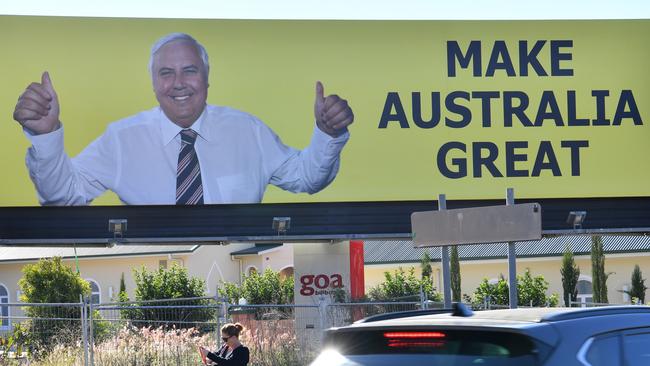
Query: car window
{"points": [[441, 346], [604, 351], [637, 349]]}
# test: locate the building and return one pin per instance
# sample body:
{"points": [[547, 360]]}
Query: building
{"points": [[103, 267], [542, 257]]}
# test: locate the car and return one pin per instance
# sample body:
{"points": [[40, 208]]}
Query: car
{"points": [[603, 336]]}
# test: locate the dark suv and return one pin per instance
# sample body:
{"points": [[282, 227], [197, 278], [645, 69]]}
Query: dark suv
{"points": [[606, 336]]}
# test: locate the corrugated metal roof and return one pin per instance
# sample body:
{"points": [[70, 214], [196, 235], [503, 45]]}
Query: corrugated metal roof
{"points": [[13, 254], [256, 249], [402, 251]]}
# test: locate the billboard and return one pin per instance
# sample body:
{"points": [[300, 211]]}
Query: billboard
{"points": [[553, 109]]}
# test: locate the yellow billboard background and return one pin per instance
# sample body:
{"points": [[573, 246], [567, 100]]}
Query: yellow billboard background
{"points": [[268, 68]]}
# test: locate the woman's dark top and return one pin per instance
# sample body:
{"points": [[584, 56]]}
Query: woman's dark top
{"points": [[238, 357]]}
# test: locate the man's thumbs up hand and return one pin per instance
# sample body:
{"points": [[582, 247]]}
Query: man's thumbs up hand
{"points": [[37, 108], [333, 114]]}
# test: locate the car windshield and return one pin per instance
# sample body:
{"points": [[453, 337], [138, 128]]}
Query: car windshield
{"points": [[434, 347]]}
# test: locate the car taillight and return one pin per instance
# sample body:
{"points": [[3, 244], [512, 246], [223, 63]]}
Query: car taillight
{"points": [[414, 339], [414, 334]]}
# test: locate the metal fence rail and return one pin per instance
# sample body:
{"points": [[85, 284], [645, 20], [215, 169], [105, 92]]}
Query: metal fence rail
{"points": [[346, 313], [279, 334], [155, 332], [37, 331]]}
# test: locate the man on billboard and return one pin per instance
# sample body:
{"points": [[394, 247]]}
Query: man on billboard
{"points": [[183, 151]]}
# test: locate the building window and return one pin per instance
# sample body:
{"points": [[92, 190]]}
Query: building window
{"points": [[95, 293], [4, 309], [162, 263], [585, 290], [251, 270], [286, 272]]}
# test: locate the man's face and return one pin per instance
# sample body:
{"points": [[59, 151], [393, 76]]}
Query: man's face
{"points": [[180, 82]]}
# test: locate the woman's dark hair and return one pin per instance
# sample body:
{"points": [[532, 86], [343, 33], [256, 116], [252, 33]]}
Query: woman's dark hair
{"points": [[232, 329]]}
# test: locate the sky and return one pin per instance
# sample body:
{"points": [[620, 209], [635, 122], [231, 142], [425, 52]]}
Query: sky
{"points": [[335, 9]]}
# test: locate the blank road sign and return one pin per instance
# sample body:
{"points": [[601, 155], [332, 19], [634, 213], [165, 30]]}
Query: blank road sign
{"points": [[477, 225]]}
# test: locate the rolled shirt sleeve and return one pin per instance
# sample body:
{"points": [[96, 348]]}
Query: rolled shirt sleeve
{"points": [[60, 180], [311, 169]]}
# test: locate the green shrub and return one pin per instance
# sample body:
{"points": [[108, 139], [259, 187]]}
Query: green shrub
{"points": [[530, 290], [637, 292], [50, 281], [267, 288], [172, 283], [454, 270], [598, 274], [425, 265], [494, 293], [570, 275], [401, 285]]}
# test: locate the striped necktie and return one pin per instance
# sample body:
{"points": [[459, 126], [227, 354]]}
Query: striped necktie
{"points": [[189, 190]]}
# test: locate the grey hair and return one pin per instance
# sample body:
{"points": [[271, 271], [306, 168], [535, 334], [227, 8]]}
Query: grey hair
{"points": [[179, 37]]}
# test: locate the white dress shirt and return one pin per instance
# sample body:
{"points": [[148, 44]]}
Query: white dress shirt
{"points": [[137, 159]]}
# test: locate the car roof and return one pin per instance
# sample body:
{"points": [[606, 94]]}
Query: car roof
{"points": [[509, 318]]}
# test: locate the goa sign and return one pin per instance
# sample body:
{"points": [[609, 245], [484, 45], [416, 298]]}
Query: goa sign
{"points": [[321, 284]]}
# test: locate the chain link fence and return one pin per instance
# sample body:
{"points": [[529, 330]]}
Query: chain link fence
{"points": [[31, 331], [169, 332], [155, 332], [580, 304], [280, 334]]}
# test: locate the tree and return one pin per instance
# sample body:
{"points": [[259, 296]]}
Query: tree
{"points": [[570, 274], [231, 292], [172, 283], [425, 265], [493, 293], [261, 289], [266, 288], [400, 285], [122, 283], [638, 285], [454, 269], [50, 281], [530, 290], [598, 274]]}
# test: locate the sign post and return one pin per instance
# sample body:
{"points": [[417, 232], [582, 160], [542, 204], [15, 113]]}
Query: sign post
{"points": [[444, 259], [477, 225], [512, 257]]}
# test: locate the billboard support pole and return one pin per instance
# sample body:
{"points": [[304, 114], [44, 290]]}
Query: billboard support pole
{"points": [[512, 258], [444, 260]]}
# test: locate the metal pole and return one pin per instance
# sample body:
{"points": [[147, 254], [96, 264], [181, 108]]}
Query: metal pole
{"points": [[512, 258], [222, 312], [422, 299], [91, 334], [226, 320], [84, 329], [322, 310], [444, 259]]}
